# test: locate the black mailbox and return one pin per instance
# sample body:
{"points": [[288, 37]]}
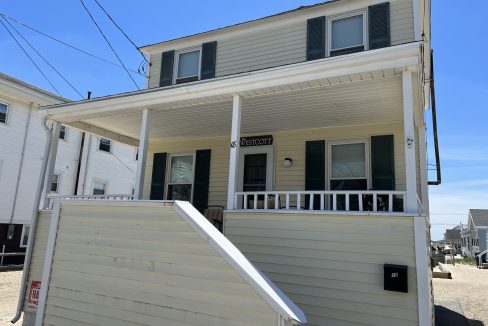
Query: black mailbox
{"points": [[396, 278]]}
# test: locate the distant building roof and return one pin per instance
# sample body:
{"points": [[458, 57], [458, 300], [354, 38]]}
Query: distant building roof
{"points": [[479, 216], [453, 234], [32, 87]]}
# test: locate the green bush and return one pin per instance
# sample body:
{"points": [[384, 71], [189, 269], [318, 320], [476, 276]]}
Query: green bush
{"points": [[465, 261]]}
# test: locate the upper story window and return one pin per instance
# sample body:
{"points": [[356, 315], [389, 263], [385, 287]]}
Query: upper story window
{"points": [[62, 133], [55, 182], [3, 113], [99, 187], [347, 34], [105, 145], [187, 65]]}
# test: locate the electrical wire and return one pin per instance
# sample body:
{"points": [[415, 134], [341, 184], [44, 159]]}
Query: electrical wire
{"points": [[67, 44], [121, 30], [32, 60], [108, 42], [45, 60]]}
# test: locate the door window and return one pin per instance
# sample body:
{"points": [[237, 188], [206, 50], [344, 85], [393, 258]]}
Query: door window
{"points": [[255, 172]]}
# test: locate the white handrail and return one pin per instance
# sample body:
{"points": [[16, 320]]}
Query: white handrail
{"points": [[334, 200], [52, 198], [480, 258]]}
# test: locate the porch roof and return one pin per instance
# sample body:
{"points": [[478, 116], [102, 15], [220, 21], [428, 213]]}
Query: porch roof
{"points": [[353, 89]]}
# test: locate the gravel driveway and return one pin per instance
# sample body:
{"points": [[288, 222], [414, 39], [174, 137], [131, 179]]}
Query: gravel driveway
{"points": [[469, 286], [9, 294]]}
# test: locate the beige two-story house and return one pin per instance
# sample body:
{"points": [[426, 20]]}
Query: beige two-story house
{"points": [[307, 129]]}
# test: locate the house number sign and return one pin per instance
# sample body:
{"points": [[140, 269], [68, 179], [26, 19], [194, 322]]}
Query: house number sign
{"points": [[256, 141]]}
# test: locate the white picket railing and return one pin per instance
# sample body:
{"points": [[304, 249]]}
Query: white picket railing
{"points": [[362, 201], [52, 198]]}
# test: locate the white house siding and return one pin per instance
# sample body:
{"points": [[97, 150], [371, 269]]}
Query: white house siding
{"points": [[144, 265], [331, 266], [286, 144]]}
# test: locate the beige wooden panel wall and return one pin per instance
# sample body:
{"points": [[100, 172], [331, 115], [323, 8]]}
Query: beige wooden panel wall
{"points": [[144, 265], [401, 22], [286, 144], [331, 266]]}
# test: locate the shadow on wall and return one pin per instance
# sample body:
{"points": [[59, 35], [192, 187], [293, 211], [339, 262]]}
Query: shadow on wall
{"points": [[447, 317]]}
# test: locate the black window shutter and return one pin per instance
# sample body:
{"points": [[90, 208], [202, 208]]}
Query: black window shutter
{"points": [[209, 54], [314, 169], [379, 25], [202, 176], [158, 176], [382, 162], [167, 61], [316, 38]]}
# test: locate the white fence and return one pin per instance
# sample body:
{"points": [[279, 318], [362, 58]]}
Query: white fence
{"points": [[372, 201], [52, 198]]}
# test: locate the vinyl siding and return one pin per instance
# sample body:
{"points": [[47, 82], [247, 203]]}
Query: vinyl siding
{"points": [[284, 45], [144, 265], [331, 266], [286, 144]]}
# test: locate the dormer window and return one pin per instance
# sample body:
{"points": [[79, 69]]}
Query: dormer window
{"points": [[347, 34], [187, 65]]}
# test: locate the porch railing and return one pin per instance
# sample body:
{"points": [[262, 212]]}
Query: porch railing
{"points": [[50, 199], [361, 201]]}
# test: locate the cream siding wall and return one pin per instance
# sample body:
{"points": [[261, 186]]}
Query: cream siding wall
{"points": [[286, 144], [144, 265], [331, 266], [284, 45]]}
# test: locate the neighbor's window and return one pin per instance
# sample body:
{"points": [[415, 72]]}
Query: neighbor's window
{"points": [[104, 145], [99, 187], [188, 66], [24, 239], [55, 183], [348, 167], [3, 113], [62, 133], [347, 35], [180, 181], [137, 153]]}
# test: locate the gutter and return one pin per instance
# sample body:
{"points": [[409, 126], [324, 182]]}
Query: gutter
{"points": [[434, 125], [35, 214]]}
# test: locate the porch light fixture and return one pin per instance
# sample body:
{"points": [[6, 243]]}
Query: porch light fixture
{"points": [[287, 162]]}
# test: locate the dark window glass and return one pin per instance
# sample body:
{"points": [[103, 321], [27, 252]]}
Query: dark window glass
{"points": [[55, 183], [255, 172], [3, 113], [99, 188], [62, 133], [104, 145], [179, 192]]}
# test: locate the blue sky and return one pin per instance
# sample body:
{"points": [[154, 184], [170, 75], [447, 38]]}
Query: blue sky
{"points": [[459, 31]]}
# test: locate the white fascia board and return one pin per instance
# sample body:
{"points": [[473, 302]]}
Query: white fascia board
{"points": [[82, 126], [26, 94], [400, 56], [278, 20]]}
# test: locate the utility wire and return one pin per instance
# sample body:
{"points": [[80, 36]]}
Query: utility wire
{"points": [[45, 60], [121, 30], [108, 42], [32, 60], [67, 44]]}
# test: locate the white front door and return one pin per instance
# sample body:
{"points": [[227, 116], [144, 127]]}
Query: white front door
{"points": [[256, 168]]}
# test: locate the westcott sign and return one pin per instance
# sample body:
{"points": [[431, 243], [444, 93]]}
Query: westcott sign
{"points": [[256, 141]]}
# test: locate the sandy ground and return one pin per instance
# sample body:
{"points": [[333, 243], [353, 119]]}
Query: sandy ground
{"points": [[469, 286], [9, 294]]}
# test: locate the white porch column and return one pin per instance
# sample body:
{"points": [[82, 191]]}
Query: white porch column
{"points": [[409, 132], [423, 169], [143, 145], [56, 128], [234, 150]]}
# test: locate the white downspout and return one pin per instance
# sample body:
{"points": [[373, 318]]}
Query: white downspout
{"points": [[21, 164], [35, 214]]}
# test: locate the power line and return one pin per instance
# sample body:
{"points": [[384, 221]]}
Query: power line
{"points": [[120, 29], [67, 44], [108, 42], [27, 54], [45, 60]]}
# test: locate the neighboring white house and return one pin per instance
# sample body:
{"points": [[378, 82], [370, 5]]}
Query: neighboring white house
{"points": [[23, 140], [474, 238]]}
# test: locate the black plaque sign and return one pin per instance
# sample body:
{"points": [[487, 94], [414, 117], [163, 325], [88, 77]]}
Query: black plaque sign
{"points": [[256, 141]]}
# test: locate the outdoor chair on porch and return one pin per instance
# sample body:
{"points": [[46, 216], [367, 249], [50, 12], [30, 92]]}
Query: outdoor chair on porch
{"points": [[215, 215]]}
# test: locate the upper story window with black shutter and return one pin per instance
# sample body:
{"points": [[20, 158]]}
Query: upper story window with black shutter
{"points": [[347, 33], [3, 113], [187, 65]]}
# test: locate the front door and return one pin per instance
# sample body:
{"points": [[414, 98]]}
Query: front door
{"points": [[255, 168]]}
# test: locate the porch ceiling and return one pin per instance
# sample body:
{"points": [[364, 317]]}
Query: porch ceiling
{"points": [[331, 102]]}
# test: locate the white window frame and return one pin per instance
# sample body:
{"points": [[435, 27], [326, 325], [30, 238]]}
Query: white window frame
{"points": [[59, 183], [22, 245], [99, 181], [177, 60], [367, 150], [364, 13], [111, 145], [7, 113], [65, 133], [168, 174], [266, 149]]}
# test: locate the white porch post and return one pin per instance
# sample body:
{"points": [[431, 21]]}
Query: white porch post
{"points": [[143, 145], [56, 128], [423, 169], [234, 150], [409, 132]]}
